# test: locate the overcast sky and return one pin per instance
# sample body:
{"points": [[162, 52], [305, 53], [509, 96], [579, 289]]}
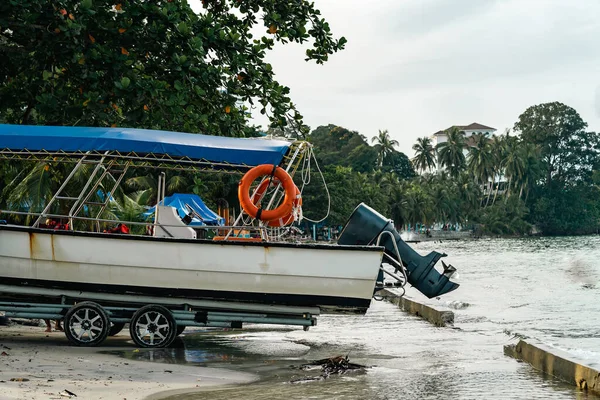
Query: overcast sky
{"points": [[417, 66]]}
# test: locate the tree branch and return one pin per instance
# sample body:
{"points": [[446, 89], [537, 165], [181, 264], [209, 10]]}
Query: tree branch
{"points": [[12, 49], [22, 25]]}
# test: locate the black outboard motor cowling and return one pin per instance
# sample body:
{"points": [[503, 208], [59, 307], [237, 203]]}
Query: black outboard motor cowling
{"points": [[364, 227]]}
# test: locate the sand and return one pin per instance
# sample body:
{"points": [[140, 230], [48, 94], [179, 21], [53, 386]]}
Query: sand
{"points": [[38, 365]]}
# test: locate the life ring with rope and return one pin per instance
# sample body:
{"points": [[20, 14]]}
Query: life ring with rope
{"points": [[296, 208], [271, 171]]}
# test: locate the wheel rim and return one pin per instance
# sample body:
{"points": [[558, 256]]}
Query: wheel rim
{"points": [[86, 325], [152, 328]]}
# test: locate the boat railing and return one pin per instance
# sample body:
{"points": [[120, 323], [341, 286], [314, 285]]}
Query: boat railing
{"points": [[235, 230], [109, 170]]}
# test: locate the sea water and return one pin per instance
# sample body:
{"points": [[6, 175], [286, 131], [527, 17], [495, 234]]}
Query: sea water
{"points": [[542, 288]]}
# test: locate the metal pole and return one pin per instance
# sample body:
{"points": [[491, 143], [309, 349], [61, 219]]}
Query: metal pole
{"points": [[114, 188], [164, 184], [83, 191], [60, 189], [158, 192]]}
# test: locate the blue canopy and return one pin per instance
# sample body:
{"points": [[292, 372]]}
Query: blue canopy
{"points": [[217, 149], [186, 203]]}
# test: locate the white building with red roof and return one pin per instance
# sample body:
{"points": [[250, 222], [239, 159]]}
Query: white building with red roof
{"points": [[468, 130]]}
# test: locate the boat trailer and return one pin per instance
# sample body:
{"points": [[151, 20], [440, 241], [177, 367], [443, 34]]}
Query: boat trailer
{"points": [[154, 322]]}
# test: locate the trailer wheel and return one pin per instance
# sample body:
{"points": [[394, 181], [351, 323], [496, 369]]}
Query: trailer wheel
{"points": [[86, 324], [180, 329], [153, 326], [115, 329]]}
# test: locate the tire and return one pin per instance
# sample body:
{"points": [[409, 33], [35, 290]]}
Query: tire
{"points": [[180, 329], [86, 324], [153, 327], [115, 329]]}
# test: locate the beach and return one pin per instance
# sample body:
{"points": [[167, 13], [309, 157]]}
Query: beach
{"points": [[39, 365]]}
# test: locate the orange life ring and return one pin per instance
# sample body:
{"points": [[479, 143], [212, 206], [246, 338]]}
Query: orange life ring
{"points": [[247, 204], [283, 221]]}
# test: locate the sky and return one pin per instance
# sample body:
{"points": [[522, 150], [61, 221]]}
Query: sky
{"points": [[414, 67]]}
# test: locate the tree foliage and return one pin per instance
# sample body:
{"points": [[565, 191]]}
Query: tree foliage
{"points": [[424, 159], [151, 64], [354, 173], [384, 144], [450, 152], [334, 144], [546, 175], [567, 150], [570, 211]]}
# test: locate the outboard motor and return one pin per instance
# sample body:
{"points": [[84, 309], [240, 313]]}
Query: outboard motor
{"points": [[364, 227]]}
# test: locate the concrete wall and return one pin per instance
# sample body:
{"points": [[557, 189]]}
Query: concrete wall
{"points": [[557, 363], [435, 316]]}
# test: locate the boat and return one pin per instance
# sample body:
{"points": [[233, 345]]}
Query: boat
{"points": [[243, 274]]}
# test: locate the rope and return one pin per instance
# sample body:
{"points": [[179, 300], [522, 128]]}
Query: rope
{"points": [[305, 174], [306, 181]]}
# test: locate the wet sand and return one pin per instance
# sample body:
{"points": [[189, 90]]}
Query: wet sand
{"points": [[38, 365]]}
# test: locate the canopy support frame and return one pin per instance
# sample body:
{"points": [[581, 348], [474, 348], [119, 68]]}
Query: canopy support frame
{"points": [[84, 192], [37, 222]]}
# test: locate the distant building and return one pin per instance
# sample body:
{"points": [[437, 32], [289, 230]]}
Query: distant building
{"points": [[468, 130]]}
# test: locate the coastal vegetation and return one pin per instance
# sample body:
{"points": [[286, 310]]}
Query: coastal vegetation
{"points": [[544, 174], [153, 64], [160, 65]]}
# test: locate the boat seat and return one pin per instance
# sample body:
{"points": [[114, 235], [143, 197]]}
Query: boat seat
{"points": [[174, 226]]}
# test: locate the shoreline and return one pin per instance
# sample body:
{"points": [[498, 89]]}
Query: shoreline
{"points": [[37, 365]]}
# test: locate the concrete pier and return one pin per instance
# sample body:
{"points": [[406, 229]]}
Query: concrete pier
{"points": [[557, 363], [412, 306]]}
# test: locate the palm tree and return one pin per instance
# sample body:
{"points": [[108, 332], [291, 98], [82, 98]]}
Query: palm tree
{"points": [[385, 145], [450, 152], [147, 185], [127, 209], [399, 209], [498, 150], [424, 159], [419, 206], [533, 170], [514, 164], [29, 190], [385, 181], [469, 195], [33, 187], [481, 161], [444, 202]]}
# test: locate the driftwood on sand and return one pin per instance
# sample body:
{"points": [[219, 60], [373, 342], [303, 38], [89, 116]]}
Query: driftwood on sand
{"points": [[328, 366]]}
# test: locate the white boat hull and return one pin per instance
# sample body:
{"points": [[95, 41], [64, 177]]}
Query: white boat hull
{"points": [[334, 278]]}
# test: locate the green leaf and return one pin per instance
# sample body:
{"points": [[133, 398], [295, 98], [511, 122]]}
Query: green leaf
{"points": [[164, 42], [125, 81], [183, 28]]}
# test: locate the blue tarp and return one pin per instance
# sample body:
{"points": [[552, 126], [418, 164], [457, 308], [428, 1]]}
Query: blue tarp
{"points": [[216, 149], [184, 203]]}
